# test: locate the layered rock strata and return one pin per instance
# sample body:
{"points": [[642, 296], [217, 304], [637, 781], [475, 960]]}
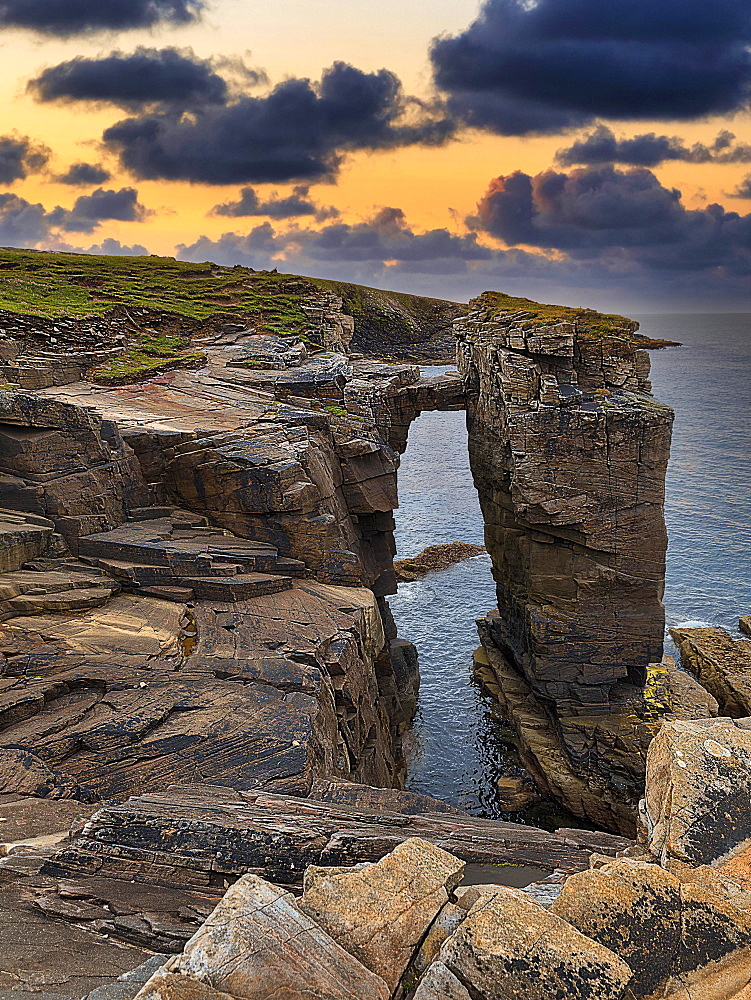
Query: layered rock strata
{"points": [[568, 452], [669, 917]]}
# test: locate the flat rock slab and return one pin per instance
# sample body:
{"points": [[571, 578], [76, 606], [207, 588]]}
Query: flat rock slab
{"points": [[42, 955], [201, 836], [24, 819]]}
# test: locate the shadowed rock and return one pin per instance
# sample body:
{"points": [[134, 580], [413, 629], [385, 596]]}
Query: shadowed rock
{"points": [[568, 452]]}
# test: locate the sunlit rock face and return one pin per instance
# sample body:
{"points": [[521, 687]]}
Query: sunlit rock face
{"points": [[569, 452]]}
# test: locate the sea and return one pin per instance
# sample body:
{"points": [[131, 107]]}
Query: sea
{"points": [[459, 744]]}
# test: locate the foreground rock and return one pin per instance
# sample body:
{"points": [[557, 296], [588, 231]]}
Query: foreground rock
{"points": [[629, 928], [697, 808], [258, 943], [509, 946], [379, 911], [687, 935]]}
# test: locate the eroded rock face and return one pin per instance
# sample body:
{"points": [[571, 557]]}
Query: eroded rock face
{"points": [[697, 808], [568, 453], [379, 912], [256, 943]]}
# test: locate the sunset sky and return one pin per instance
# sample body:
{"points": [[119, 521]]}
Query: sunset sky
{"points": [[583, 151]]}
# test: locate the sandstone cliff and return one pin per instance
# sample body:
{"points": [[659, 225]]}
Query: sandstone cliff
{"points": [[568, 452]]}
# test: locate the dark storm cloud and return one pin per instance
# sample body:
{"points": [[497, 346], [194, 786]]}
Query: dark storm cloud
{"points": [[649, 149], [133, 80], [522, 67], [19, 157], [299, 131], [74, 17], [601, 213], [83, 174], [22, 224], [292, 206], [744, 188], [91, 209]]}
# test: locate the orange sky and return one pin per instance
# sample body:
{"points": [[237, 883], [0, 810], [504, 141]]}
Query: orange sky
{"points": [[436, 187]]}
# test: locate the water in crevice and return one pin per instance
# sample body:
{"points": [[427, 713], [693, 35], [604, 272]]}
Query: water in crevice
{"points": [[459, 744]]}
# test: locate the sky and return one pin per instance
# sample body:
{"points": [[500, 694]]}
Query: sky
{"points": [[574, 151]]}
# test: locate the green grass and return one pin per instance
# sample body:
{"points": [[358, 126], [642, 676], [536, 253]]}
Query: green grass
{"points": [[590, 325], [338, 411], [149, 357], [76, 285]]}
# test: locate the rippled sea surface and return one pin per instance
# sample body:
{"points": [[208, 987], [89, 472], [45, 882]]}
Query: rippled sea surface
{"points": [[458, 744], [707, 381]]}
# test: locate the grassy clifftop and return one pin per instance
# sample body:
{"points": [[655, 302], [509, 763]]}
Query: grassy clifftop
{"points": [[50, 285], [65, 284], [396, 322], [589, 323]]}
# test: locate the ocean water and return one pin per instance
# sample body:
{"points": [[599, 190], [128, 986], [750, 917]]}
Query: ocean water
{"points": [[707, 381], [458, 744]]}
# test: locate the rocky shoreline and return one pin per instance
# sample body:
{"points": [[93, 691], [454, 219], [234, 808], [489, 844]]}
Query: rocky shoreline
{"points": [[435, 558], [200, 671]]}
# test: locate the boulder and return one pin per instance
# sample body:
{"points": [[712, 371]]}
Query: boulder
{"points": [[674, 932], [516, 793], [632, 908], [380, 912], [720, 663], [696, 772], [258, 945], [439, 983], [508, 946]]}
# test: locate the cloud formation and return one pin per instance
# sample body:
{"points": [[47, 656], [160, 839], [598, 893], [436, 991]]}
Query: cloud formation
{"points": [[83, 174], [298, 132], [620, 218], [386, 237], [19, 157], [744, 188], [144, 78], [79, 17], [22, 223], [704, 263], [114, 248], [649, 149], [524, 67], [100, 206], [292, 206]]}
